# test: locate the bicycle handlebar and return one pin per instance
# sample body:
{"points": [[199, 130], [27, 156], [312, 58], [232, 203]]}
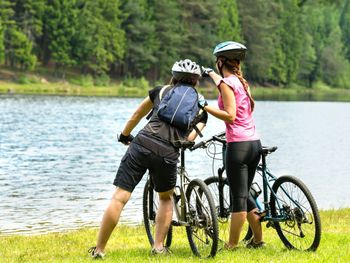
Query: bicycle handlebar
{"points": [[203, 144]]}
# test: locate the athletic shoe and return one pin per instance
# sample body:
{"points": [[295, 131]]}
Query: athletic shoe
{"points": [[252, 244], [94, 254], [165, 251]]}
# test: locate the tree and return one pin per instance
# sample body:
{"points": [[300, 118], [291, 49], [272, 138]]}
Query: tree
{"points": [[260, 25], [291, 41], [140, 38], [15, 47], [228, 27], [345, 26], [99, 39], [199, 21], [18, 49], [59, 28], [166, 17], [29, 17]]}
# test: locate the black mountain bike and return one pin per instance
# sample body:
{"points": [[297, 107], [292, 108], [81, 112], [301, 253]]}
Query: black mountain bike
{"points": [[288, 206], [194, 208]]}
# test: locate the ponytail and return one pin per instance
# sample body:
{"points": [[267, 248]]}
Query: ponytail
{"points": [[235, 68]]}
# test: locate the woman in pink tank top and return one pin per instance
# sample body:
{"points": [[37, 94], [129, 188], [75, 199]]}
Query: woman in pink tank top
{"points": [[243, 144]]}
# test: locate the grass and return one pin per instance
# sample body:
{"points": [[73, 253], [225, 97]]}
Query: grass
{"points": [[130, 244], [43, 82], [120, 90], [64, 88]]}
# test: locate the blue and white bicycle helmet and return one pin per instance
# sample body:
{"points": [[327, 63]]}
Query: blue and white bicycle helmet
{"points": [[230, 50], [186, 70]]}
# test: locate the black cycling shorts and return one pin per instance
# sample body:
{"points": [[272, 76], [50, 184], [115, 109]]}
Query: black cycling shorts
{"points": [[137, 160], [242, 158]]}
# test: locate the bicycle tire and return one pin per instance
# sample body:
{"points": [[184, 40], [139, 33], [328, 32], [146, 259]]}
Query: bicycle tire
{"points": [[149, 220], [303, 215], [223, 220], [202, 232]]}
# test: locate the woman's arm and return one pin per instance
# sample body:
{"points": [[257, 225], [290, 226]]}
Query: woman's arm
{"points": [[200, 125], [229, 100], [215, 77], [145, 106]]}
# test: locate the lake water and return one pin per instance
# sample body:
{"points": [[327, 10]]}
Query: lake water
{"points": [[59, 155]]}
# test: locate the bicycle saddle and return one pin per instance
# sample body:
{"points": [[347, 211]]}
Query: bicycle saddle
{"points": [[267, 150]]}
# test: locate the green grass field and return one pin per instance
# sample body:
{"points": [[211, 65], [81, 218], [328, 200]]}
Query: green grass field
{"points": [[130, 244]]}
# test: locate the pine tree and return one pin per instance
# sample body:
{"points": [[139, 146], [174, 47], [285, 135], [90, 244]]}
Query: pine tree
{"points": [[199, 20], [168, 36], [59, 28], [331, 66], [228, 27], [140, 38], [345, 26], [15, 47], [98, 40], [259, 26]]}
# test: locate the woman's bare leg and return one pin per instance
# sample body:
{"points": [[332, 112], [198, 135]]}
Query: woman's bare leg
{"points": [[237, 221], [163, 218], [255, 225], [111, 217]]}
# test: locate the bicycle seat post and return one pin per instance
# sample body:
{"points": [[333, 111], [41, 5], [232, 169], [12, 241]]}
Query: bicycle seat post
{"points": [[263, 161], [182, 163]]}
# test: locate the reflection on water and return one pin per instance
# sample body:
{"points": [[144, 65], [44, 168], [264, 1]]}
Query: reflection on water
{"points": [[58, 156]]}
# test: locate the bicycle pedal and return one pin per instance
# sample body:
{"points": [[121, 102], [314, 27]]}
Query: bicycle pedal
{"points": [[261, 214], [270, 224], [175, 223]]}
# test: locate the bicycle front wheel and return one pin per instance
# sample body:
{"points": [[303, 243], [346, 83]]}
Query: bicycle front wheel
{"points": [[202, 232], [150, 207], [300, 227], [221, 195]]}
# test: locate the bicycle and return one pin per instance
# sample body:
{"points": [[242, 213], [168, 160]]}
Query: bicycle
{"points": [[194, 208], [288, 206]]}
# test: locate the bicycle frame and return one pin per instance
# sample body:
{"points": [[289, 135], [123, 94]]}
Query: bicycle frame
{"points": [[286, 203], [268, 177], [180, 210]]}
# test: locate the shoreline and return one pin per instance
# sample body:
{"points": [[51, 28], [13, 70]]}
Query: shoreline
{"points": [[259, 93], [345, 210]]}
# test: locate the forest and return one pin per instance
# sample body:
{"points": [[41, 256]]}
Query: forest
{"points": [[290, 42]]}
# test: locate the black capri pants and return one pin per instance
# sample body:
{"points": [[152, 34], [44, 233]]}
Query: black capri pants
{"points": [[242, 158]]}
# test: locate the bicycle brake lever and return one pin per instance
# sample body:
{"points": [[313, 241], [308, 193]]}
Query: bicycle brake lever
{"points": [[198, 145]]}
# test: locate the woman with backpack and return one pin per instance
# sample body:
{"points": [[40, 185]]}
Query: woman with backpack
{"points": [[243, 143], [156, 149]]}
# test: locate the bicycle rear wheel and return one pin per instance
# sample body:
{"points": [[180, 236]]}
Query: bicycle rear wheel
{"points": [[202, 233], [150, 208], [223, 209], [292, 200]]}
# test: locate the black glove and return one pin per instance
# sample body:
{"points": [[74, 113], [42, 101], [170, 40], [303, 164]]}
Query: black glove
{"points": [[203, 117], [206, 71], [125, 139]]}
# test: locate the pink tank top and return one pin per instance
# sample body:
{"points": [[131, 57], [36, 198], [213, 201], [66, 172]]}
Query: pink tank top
{"points": [[243, 127]]}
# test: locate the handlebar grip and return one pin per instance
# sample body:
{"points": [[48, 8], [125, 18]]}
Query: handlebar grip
{"points": [[198, 145]]}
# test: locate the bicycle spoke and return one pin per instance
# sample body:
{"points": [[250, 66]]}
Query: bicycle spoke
{"points": [[202, 232], [294, 203]]}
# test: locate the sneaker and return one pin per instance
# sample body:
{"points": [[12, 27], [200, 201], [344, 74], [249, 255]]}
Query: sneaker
{"points": [[94, 254], [165, 251], [252, 244]]}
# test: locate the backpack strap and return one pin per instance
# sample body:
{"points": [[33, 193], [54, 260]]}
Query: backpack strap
{"points": [[149, 115], [162, 91]]}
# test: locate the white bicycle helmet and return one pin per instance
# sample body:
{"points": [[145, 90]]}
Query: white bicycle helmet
{"points": [[185, 70], [230, 50]]}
